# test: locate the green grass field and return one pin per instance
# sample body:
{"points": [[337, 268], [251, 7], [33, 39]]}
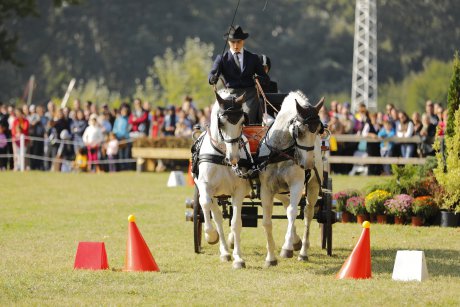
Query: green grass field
{"points": [[45, 215]]}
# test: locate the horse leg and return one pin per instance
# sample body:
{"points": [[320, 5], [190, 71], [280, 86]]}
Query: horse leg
{"points": [[238, 262], [210, 234], [218, 220], [297, 240], [287, 250], [312, 196], [267, 207]]}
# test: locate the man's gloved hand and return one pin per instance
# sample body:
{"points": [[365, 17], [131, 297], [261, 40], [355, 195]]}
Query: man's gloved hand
{"points": [[214, 79]]}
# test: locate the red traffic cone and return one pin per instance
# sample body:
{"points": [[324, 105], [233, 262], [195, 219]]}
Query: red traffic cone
{"points": [[358, 264], [91, 256], [190, 180], [138, 255]]}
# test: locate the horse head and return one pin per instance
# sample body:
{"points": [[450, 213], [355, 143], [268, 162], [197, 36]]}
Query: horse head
{"points": [[304, 128], [230, 121]]}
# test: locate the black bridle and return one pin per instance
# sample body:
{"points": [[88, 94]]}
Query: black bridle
{"points": [[312, 120], [233, 116]]}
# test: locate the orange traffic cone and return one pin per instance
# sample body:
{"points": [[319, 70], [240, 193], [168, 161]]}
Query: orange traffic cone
{"points": [[358, 264], [190, 180], [138, 255]]}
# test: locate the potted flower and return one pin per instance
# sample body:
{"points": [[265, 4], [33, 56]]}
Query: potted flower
{"points": [[400, 207], [375, 204], [356, 205], [423, 207], [341, 203]]}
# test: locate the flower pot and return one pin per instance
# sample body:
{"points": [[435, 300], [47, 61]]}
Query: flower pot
{"points": [[346, 217], [434, 220], [449, 219], [399, 220], [361, 218], [417, 221], [381, 218]]}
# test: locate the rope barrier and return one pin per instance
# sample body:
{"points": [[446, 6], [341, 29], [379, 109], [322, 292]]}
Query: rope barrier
{"points": [[59, 141], [95, 162]]}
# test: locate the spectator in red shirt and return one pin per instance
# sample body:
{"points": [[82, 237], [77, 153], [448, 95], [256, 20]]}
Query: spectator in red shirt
{"points": [[138, 120], [20, 127]]}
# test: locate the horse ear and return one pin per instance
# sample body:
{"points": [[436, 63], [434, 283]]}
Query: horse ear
{"points": [[298, 107], [319, 105], [241, 99], [220, 100], [300, 110]]}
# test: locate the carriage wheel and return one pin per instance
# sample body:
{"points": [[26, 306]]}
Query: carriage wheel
{"points": [[326, 208], [328, 226], [197, 222]]}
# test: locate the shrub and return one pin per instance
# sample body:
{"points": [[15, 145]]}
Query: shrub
{"points": [[375, 201], [424, 206], [448, 171], [356, 205], [342, 197], [400, 205]]}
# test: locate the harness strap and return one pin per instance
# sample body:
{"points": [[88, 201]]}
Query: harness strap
{"points": [[214, 143]]}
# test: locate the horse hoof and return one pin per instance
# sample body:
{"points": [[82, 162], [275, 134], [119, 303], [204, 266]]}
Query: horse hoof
{"points": [[225, 258], [297, 246], [239, 265], [302, 258], [269, 264], [212, 238], [285, 253]]}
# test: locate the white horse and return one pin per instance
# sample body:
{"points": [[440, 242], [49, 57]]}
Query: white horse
{"points": [[219, 156], [291, 146]]}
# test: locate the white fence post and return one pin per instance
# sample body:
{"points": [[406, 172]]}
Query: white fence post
{"points": [[21, 152]]}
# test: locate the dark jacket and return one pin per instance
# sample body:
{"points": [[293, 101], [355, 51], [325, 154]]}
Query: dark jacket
{"points": [[233, 78]]}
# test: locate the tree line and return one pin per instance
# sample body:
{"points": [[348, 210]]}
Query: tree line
{"points": [[118, 49]]}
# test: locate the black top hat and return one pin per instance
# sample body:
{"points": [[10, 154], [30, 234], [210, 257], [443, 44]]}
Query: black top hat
{"points": [[236, 33]]}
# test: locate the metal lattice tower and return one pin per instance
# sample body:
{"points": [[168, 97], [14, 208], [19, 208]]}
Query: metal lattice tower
{"points": [[364, 84]]}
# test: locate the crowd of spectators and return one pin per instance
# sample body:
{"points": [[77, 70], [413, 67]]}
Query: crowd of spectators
{"points": [[87, 138], [94, 138], [393, 122]]}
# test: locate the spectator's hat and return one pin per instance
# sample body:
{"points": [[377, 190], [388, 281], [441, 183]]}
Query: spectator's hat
{"points": [[32, 108], [236, 33]]}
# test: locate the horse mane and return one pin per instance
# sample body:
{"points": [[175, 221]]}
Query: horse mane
{"points": [[288, 108]]}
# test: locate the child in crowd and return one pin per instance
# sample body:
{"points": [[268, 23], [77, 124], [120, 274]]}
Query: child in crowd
{"points": [[81, 161], [386, 148], [92, 138], [3, 148], [112, 151]]}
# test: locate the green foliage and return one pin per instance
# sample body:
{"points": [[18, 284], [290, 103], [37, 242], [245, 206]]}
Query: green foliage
{"points": [[412, 92], [453, 97], [147, 91], [117, 40], [184, 72], [415, 180], [448, 171], [96, 91]]}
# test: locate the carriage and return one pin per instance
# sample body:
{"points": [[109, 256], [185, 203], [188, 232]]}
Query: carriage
{"points": [[324, 213]]}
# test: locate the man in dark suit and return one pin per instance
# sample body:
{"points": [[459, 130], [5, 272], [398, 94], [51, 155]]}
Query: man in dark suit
{"points": [[239, 67]]}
